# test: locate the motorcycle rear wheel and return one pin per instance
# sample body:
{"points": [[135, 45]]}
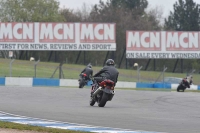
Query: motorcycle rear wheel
{"points": [[103, 100]]}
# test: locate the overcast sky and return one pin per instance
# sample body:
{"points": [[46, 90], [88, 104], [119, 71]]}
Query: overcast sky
{"points": [[167, 5]]}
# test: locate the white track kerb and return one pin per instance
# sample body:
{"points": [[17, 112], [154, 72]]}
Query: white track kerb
{"points": [[62, 125]]}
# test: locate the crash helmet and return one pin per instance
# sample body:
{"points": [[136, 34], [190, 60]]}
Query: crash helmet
{"points": [[89, 65], [110, 62], [190, 77]]}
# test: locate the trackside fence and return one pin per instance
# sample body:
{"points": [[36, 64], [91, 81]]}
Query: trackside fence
{"points": [[51, 70]]}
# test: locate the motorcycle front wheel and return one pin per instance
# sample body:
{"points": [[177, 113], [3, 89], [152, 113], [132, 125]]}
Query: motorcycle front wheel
{"points": [[81, 83], [178, 88], [92, 102]]}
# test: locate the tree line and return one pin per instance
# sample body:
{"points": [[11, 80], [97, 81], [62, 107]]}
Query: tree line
{"points": [[127, 14]]}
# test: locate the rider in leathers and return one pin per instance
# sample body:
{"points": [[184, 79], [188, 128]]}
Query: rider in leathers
{"points": [[88, 71], [108, 72], [187, 81]]}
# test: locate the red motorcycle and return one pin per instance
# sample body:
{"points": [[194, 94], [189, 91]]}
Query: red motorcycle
{"points": [[82, 80], [102, 91]]}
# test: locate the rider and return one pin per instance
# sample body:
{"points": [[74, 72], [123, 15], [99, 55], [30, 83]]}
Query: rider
{"points": [[189, 78], [188, 81], [108, 72], [88, 71]]}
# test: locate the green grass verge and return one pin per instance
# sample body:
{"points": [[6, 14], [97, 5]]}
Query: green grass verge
{"points": [[10, 125]]}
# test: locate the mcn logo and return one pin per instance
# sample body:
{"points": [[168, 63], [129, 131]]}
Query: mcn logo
{"points": [[143, 41], [162, 41], [12, 32], [182, 41], [94, 33], [57, 32]]}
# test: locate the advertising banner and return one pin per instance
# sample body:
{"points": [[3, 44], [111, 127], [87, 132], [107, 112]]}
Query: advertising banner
{"points": [[162, 45], [58, 36]]}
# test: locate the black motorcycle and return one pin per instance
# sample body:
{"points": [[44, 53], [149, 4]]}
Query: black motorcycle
{"points": [[183, 85], [102, 91], [82, 80]]}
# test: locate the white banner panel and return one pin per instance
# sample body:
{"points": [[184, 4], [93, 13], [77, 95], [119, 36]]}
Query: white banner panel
{"points": [[58, 36], [163, 45]]}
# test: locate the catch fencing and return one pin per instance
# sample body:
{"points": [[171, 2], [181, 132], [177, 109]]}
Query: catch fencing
{"points": [[38, 69]]}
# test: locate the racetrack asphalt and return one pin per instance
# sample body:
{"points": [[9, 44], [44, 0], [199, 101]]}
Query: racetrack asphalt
{"points": [[160, 111]]}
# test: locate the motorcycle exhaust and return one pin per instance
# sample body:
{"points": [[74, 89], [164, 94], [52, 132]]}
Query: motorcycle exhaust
{"points": [[113, 92], [97, 91]]}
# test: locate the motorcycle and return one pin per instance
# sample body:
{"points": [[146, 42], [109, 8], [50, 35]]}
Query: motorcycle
{"points": [[82, 80], [183, 85], [102, 91]]}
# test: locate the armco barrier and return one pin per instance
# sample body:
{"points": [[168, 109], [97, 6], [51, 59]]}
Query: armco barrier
{"points": [[2, 81], [161, 85], [144, 85], [68, 82], [174, 86], [125, 84], [15, 81], [71, 82], [153, 85], [45, 82], [21, 81]]}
